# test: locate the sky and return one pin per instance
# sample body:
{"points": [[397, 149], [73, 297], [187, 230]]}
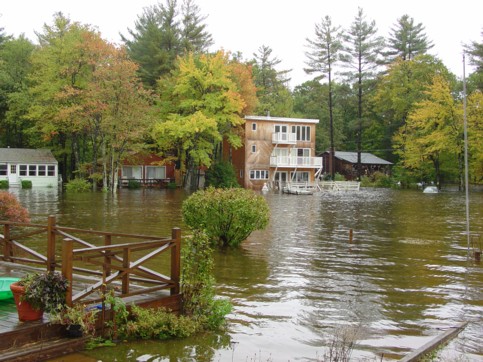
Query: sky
{"points": [[283, 25]]}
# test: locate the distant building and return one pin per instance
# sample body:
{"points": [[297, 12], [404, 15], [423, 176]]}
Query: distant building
{"points": [[345, 163], [147, 169], [276, 150], [36, 165]]}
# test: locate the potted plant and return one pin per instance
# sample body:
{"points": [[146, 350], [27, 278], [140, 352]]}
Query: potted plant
{"points": [[78, 319], [39, 292]]}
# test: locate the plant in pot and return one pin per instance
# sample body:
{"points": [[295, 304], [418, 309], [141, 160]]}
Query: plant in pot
{"points": [[78, 319], [37, 293]]}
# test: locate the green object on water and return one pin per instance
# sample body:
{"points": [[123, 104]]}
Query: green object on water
{"points": [[5, 292]]}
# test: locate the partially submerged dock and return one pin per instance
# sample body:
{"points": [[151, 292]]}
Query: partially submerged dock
{"points": [[118, 265]]}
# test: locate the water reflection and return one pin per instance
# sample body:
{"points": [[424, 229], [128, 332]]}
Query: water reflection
{"points": [[404, 276]]}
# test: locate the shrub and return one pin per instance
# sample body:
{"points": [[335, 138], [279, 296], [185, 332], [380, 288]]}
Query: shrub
{"points": [[197, 283], [221, 174], [4, 184], [228, 216], [26, 184], [10, 208], [78, 185], [133, 184]]}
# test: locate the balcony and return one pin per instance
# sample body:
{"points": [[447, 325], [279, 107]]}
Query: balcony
{"points": [[284, 138], [295, 161]]}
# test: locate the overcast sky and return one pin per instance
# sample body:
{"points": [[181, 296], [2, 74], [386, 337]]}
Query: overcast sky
{"points": [[284, 26]]}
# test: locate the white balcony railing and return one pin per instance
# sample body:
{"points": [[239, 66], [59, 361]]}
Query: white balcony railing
{"points": [[295, 161], [284, 138]]}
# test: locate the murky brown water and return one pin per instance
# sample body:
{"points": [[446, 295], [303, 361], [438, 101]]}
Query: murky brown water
{"points": [[404, 278]]}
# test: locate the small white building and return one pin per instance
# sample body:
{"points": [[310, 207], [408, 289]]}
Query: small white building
{"points": [[36, 165]]}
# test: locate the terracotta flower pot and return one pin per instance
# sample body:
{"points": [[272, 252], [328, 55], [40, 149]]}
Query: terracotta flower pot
{"points": [[24, 309]]}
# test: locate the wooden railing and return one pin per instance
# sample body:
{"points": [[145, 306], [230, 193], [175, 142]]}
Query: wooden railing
{"points": [[96, 268]]}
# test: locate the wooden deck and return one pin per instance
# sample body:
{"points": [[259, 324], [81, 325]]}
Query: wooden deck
{"points": [[89, 269]]}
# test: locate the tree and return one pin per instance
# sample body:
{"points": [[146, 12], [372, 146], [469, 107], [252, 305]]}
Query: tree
{"points": [[61, 68], [362, 50], [433, 130], [272, 92], [407, 40], [325, 52], [159, 38], [399, 90], [15, 66], [475, 135], [116, 109], [199, 108], [227, 216], [475, 52]]}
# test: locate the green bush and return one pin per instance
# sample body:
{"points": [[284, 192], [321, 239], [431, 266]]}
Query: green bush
{"points": [[133, 184], [171, 185], [339, 177], [222, 175], [228, 216], [78, 185], [197, 283], [26, 184], [4, 184], [382, 180]]}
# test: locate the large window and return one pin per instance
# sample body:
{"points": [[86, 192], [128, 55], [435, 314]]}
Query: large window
{"points": [[42, 170], [156, 172], [3, 170], [32, 170], [299, 176], [23, 170], [303, 132], [131, 172], [258, 174]]}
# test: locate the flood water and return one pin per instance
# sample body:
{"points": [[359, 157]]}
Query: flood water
{"points": [[403, 279]]}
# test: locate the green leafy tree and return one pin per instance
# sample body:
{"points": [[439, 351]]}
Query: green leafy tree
{"points": [[221, 175], [399, 90], [433, 130], [15, 66], [159, 37], [61, 68], [272, 92], [475, 135], [227, 216], [324, 52], [475, 52], [407, 40], [362, 50], [201, 107]]}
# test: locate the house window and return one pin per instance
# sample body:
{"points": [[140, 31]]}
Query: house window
{"points": [[3, 170], [254, 126], [32, 170], [303, 132], [280, 128], [50, 170], [299, 176], [254, 148], [13, 169], [132, 172], [258, 174], [155, 172], [42, 170], [23, 170]]}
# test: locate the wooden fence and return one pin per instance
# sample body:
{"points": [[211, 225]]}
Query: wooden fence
{"points": [[119, 267]]}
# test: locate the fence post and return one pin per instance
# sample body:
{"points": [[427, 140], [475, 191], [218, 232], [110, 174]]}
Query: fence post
{"points": [[7, 246], [51, 243], [67, 265], [126, 263], [107, 256], [176, 259]]}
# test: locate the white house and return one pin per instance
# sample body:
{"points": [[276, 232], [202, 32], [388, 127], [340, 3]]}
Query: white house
{"points": [[36, 165]]}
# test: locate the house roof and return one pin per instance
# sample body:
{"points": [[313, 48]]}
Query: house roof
{"points": [[366, 158], [26, 155], [281, 119]]}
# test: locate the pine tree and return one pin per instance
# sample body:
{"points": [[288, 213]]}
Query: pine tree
{"points": [[159, 37], [325, 52], [407, 40], [272, 92], [362, 49]]}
